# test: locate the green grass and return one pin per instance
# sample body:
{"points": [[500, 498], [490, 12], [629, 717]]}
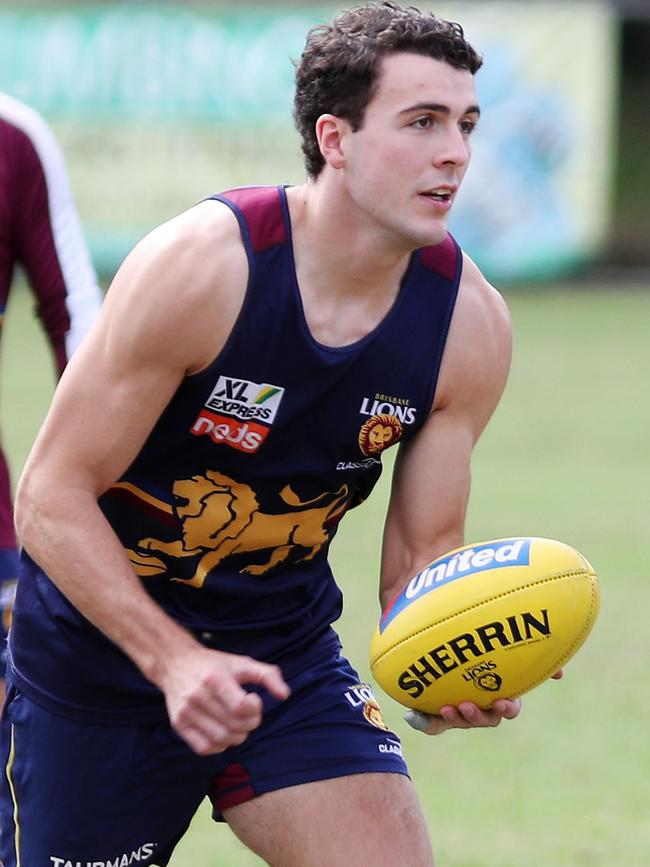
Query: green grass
{"points": [[565, 456]]}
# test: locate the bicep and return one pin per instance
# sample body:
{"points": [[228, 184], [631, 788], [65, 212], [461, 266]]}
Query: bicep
{"points": [[106, 403], [162, 319]]}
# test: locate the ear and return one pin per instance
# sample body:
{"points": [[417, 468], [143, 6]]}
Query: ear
{"points": [[330, 131]]}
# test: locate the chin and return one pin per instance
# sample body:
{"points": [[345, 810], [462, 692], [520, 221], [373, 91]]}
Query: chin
{"points": [[432, 235], [439, 235], [421, 233]]}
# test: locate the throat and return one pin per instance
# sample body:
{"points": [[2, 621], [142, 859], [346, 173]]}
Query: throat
{"points": [[340, 320], [347, 282]]}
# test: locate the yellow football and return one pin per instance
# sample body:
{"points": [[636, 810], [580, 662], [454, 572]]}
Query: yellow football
{"points": [[486, 621]]}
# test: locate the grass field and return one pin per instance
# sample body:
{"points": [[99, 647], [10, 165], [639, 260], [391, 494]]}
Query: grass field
{"points": [[567, 456]]}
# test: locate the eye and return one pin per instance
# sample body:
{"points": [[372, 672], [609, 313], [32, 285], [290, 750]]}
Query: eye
{"points": [[467, 127], [422, 122]]}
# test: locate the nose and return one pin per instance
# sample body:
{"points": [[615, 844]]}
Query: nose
{"points": [[453, 149]]}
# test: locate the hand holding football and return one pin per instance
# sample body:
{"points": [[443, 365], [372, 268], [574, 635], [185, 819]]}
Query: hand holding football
{"points": [[486, 621]]}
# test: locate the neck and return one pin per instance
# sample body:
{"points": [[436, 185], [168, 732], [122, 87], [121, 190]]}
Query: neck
{"points": [[333, 240], [348, 275]]}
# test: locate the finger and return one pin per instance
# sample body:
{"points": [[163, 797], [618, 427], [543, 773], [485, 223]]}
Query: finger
{"points": [[209, 727], [508, 708], [248, 670], [558, 675], [249, 708], [479, 717], [454, 718], [236, 710], [230, 697], [210, 738], [466, 715], [240, 710], [469, 715]]}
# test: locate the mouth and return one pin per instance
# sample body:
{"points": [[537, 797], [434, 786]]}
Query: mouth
{"points": [[443, 194]]}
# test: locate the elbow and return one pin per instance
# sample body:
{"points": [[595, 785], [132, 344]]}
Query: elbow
{"points": [[50, 506], [22, 511], [28, 510]]}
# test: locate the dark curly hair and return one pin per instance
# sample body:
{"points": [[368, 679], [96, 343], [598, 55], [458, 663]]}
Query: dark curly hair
{"points": [[337, 72]]}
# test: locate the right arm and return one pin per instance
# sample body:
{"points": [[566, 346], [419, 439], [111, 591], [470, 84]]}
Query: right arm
{"points": [[167, 314]]}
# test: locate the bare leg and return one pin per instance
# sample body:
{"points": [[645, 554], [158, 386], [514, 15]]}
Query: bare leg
{"points": [[372, 819]]}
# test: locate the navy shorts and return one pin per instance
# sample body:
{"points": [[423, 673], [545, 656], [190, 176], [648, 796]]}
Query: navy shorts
{"points": [[83, 793]]}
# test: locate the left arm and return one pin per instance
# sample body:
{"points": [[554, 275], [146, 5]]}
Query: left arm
{"points": [[431, 483]]}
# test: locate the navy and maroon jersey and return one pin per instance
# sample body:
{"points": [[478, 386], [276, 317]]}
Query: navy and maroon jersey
{"points": [[228, 511], [40, 231]]}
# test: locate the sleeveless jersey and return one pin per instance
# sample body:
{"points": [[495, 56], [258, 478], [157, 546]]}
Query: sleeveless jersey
{"points": [[228, 510]]}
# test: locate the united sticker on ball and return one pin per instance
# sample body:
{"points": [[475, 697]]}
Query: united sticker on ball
{"points": [[486, 621]]}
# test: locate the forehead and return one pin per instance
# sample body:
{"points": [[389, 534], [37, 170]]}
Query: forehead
{"points": [[406, 79]]}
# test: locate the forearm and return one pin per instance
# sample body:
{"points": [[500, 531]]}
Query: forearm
{"points": [[400, 562], [72, 541], [410, 546], [426, 514]]}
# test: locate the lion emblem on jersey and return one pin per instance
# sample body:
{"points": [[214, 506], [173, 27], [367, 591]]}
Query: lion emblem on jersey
{"points": [[378, 433], [221, 518]]}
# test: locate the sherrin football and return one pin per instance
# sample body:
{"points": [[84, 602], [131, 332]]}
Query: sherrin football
{"points": [[486, 621]]}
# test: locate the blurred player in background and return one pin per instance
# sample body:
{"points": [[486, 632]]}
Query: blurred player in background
{"points": [[172, 633], [40, 231]]}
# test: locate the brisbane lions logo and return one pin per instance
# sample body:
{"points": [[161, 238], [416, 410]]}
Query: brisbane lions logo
{"points": [[378, 433], [221, 518]]}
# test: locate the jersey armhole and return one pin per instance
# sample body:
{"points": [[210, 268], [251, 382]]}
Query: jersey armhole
{"points": [[446, 323]]}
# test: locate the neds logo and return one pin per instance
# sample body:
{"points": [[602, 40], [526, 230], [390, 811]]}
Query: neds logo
{"points": [[239, 413], [493, 555]]}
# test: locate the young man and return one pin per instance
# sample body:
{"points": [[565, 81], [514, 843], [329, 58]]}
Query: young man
{"points": [[172, 635], [40, 230]]}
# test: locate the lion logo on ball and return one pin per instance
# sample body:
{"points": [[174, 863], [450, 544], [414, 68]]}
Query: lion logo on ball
{"points": [[490, 682], [484, 676]]}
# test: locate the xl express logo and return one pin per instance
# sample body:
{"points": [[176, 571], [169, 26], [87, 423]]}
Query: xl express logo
{"points": [[467, 561], [239, 413]]}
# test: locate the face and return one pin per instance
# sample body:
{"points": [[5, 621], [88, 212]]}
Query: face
{"points": [[404, 166]]}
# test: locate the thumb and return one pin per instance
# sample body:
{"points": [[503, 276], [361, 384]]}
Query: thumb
{"points": [[427, 723]]}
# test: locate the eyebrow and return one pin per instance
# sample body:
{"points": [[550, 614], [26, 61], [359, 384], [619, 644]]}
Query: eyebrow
{"points": [[438, 107]]}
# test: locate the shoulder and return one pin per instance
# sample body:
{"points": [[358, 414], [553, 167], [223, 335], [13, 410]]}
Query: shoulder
{"points": [[481, 311], [184, 283], [479, 345], [196, 245]]}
